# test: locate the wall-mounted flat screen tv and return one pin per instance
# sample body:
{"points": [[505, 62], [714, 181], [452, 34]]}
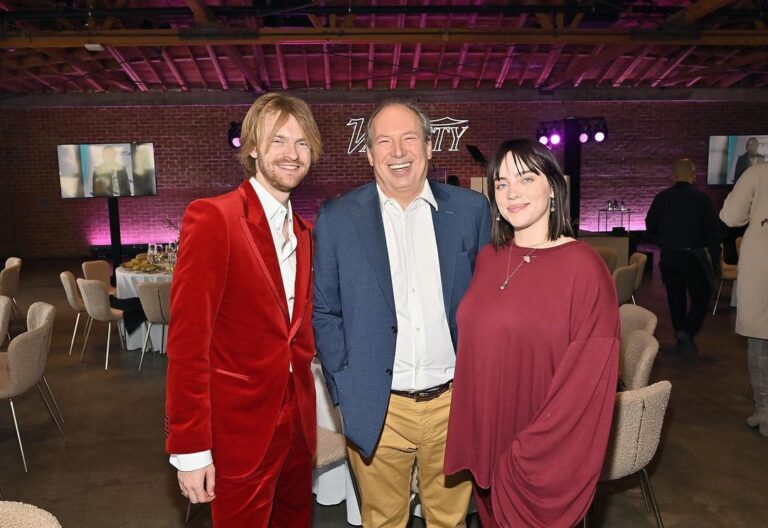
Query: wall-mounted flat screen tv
{"points": [[107, 170], [730, 156]]}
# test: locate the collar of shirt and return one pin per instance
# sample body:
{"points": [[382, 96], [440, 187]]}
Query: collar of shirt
{"points": [[274, 210], [425, 195]]}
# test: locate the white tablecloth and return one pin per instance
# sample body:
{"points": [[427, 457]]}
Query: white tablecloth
{"points": [[332, 485], [127, 287]]}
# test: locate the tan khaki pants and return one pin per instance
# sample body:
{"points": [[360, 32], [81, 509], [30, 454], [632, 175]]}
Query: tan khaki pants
{"points": [[414, 433]]}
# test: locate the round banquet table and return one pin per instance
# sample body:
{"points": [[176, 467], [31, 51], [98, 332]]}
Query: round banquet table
{"points": [[127, 287]]}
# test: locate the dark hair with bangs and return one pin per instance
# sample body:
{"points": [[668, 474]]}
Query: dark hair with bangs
{"points": [[540, 160]]}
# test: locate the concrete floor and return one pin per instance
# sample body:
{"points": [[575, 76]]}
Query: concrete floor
{"points": [[111, 471]]}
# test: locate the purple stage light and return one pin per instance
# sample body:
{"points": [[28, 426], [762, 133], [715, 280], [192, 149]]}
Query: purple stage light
{"points": [[555, 138], [583, 137], [236, 142], [543, 140], [599, 136]]}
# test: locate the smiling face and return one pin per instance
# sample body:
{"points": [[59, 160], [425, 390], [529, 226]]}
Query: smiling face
{"points": [[399, 153], [284, 160], [523, 198]]}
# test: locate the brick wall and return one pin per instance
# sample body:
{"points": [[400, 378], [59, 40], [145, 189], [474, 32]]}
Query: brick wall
{"points": [[193, 160]]}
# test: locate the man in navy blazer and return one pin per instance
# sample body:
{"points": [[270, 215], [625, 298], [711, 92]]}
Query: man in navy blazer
{"points": [[393, 259]]}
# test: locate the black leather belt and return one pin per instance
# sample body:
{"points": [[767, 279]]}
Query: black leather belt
{"points": [[426, 394]]}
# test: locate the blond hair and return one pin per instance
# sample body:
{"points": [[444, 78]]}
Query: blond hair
{"points": [[254, 135]]}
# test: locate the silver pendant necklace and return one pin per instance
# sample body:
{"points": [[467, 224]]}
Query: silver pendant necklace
{"points": [[525, 260]]}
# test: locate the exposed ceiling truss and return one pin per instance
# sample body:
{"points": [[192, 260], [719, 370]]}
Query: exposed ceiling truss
{"points": [[186, 45]]}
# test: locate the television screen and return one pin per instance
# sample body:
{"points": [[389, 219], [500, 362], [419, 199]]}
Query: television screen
{"points": [[111, 169], [730, 156]]}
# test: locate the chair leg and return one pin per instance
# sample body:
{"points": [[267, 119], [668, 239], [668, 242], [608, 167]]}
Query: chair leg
{"points": [[87, 333], [122, 333], [644, 475], [162, 343], [50, 409], [719, 290], [645, 493], [18, 435], [15, 309], [109, 335], [144, 348], [53, 399], [74, 333]]}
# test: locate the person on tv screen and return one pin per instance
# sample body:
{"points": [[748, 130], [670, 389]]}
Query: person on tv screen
{"points": [[749, 158], [110, 177], [143, 171]]}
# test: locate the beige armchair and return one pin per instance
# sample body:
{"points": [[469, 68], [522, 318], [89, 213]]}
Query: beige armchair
{"points": [[609, 256], [637, 318], [6, 306], [22, 367], [641, 259], [43, 315], [96, 300], [638, 352], [155, 300], [636, 430], [624, 278], [12, 261], [22, 515], [9, 285], [75, 301], [99, 270]]}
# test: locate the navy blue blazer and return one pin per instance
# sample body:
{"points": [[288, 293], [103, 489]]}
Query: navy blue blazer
{"points": [[354, 314]]}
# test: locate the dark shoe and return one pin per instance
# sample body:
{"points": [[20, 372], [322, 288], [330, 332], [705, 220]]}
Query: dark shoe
{"points": [[686, 345]]}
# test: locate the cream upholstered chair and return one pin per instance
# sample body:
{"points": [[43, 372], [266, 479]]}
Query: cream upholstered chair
{"points": [[608, 255], [155, 300], [624, 278], [331, 447], [74, 299], [12, 261], [641, 259], [43, 315], [636, 318], [22, 515], [96, 300], [22, 367], [99, 270], [6, 306], [729, 272], [637, 421], [638, 352], [9, 284]]}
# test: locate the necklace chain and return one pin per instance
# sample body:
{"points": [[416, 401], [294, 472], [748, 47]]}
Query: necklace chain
{"points": [[525, 260]]}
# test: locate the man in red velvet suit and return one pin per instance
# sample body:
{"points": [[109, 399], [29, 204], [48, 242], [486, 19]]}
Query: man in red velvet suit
{"points": [[240, 399]]}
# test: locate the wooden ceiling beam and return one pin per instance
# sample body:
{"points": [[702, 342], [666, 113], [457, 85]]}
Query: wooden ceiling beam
{"points": [[710, 79], [397, 51], [528, 64], [554, 54], [439, 71], [697, 11], [234, 55], [281, 66], [174, 70], [326, 68], [581, 65], [632, 66], [196, 66], [201, 12], [152, 68], [83, 69], [381, 35], [128, 69], [729, 80], [371, 52], [463, 52], [726, 67], [417, 51], [223, 81], [674, 63]]}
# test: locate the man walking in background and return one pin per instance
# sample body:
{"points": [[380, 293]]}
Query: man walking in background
{"points": [[682, 222]]}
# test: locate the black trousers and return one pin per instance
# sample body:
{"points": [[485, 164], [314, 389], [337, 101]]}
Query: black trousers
{"points": [[685, 276]]}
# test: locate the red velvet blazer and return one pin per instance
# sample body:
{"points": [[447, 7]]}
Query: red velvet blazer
{"points": [[230, 339]]}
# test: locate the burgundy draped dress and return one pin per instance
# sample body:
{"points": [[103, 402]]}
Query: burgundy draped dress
{"points": [[535, 383]]}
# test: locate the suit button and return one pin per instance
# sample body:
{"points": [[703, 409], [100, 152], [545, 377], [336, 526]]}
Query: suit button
{"points": [[389, 372], [394, 329]]}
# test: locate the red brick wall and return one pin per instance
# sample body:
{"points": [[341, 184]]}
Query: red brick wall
{"points": [[193, 160]]}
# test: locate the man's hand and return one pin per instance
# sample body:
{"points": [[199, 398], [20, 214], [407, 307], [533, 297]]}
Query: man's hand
{"points": [[198, 485]]}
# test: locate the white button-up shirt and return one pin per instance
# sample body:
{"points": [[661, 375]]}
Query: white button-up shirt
{"points": [[424, 354], [286, 255]]}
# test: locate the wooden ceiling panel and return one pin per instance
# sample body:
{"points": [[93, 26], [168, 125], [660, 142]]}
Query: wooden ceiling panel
{"points": [[158, 45]]}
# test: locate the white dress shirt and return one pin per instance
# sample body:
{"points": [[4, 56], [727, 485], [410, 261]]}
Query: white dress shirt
{"points": [[276, 214], [424, 354]]}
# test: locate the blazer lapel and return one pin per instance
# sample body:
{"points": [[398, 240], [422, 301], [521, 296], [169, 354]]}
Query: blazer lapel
{"points": [[446, 227], [303, 273], [370, 228], [257, 232]]}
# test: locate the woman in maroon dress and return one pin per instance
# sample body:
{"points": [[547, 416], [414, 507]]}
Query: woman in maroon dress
{"points": [[538, 354]]}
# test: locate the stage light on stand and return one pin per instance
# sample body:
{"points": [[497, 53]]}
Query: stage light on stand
{"points": [[542, 135], [555, 138], [233, 135], [600, 131]]}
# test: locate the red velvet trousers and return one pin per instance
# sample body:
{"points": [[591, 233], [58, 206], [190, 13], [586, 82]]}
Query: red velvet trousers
{"points": [[278, 494]]}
